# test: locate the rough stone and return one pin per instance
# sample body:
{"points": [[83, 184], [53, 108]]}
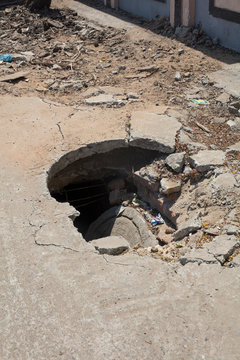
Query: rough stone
{"points": [[178, 76], [199, 256], [223, 98], [224, 182], [222, 247], [206, 159], [192, 145], [234, 124], [111, 245], [176, 161], [126, 222], [231, 229], [170, 186], [153, 131], [190, 226], [102, 99], [234, 148]]}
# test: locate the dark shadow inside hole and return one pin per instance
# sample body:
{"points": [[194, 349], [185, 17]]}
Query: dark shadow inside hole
{"points": [[84, 183]]}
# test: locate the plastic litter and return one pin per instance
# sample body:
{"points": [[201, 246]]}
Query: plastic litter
{"points": [[200, 101], [158, 220], [6, 57]]}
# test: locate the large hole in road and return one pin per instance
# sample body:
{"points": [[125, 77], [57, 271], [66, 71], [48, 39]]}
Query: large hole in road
{"points": [[113, 191]]}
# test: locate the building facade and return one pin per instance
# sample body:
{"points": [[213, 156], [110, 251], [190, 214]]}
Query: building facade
{"points": [[218, 18]]}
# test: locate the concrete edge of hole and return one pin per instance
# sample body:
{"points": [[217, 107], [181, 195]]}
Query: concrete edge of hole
{"points": [[83, 152]]}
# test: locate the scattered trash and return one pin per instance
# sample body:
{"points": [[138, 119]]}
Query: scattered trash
{"points": [[158, 220], [200, 102], [6, 57], [136, 201]]}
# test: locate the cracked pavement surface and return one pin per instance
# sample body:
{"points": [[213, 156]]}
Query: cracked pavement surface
{"points": [[60, 299]]}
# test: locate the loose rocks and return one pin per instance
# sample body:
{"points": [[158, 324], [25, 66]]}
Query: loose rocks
{"points": [[206, 159], [176, 161], [111, 245]]}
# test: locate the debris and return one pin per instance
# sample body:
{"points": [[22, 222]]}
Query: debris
{"points": [[170, 186], [158, 220], [202, 127], [15, 76], [200, 101], [111, 245], [178, 76], [176, 161], [150, 69], [6, 58]]}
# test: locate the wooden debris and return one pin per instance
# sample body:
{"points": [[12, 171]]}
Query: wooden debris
{"points": [[202, 127]]}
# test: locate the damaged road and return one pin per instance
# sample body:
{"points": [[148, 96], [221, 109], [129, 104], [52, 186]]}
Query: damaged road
{"points": [[61, 299]]}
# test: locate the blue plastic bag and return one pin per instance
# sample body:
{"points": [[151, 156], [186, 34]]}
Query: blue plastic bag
{"points": [[6, 57]]}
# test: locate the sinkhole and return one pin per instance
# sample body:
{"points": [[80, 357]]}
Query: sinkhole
{"points": [[113, 187]]}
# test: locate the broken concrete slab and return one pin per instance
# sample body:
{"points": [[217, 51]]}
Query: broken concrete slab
{"points": [[104, 99], [153, 131], [111, 245], [224, 182], [234, 148], [170, 186], [199, 256], [228, 79], [192, 145], [190, 226], [222, 247], [15, 76], [207, 159], [176, 161], [234, 124]]}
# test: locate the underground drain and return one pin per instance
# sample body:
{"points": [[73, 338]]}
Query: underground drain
{"points": [[106, 190]]}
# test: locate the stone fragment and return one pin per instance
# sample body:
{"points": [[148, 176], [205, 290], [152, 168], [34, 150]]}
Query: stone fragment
{"points": [[206, 159], [192, 145], [231, 229], [224, 182], [190, 226], [223, 98], [236, 260], [199, 256], [153, 131], [178, 76], [222, 247], [234, 148], [103, 99], [170, 186], [111, 245], [165, 234], [176, 161], [234, 124], [219, 120], [147, 177]]}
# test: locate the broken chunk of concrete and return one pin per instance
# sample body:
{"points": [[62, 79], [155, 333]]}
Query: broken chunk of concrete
{"points": [[104, 99], [190, 226], [176, 161], [111, 245], [206, 159], [153, 131], [223, 246], [192, 145], [234, 148], [199, 256], [170, 186], [15, 76]]}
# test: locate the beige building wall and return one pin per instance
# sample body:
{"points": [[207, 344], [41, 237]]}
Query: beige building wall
{"points": [[233, 5]]}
